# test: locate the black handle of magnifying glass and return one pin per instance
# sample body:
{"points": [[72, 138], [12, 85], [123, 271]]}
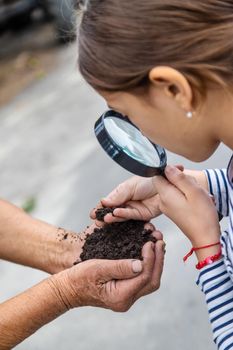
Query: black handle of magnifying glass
{"points": [[220, 216]]}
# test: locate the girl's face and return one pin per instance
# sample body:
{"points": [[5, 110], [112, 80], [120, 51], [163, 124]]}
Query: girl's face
{"points": [[161, 115]]}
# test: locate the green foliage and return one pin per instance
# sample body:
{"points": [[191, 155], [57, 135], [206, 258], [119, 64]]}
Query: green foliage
{"points": [[29, 205]]}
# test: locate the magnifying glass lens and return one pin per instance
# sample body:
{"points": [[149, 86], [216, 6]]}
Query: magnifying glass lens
{"points": [[126, 145], [131, 141]]}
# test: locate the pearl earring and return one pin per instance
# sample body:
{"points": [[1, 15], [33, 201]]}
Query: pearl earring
{"points": [[189, 114]]}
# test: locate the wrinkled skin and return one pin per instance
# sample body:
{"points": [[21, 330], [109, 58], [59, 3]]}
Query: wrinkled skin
{"points": [[74, 243], [111, 284]]}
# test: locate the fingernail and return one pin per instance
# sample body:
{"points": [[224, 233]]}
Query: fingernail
{"points": [[136, 266]]}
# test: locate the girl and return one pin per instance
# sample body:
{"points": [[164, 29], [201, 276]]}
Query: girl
{"points": [[168, 66]]}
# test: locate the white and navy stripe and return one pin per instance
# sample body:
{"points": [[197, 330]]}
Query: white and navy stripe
{"points": [[217, 286], [219, 188], [216, 280]]}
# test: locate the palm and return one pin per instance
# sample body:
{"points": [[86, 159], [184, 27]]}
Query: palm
{"points": [[74, 244]]}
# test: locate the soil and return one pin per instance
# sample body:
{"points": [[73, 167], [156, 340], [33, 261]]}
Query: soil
{"points": [[101, 212], [119, 240]]}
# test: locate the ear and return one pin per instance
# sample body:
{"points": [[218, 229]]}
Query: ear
{"points": [[174, 85]]}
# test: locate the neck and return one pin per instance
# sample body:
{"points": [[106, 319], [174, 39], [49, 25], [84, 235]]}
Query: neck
{"points": [[220, 111]]}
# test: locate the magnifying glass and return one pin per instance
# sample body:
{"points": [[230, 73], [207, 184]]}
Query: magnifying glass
{"points": [[127, 146]]}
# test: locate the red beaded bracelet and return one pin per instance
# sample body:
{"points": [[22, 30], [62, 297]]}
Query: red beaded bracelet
{"points": [[209, 260], [198, 248]]}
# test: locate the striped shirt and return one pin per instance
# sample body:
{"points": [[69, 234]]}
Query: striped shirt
{"points": [[216, 280]]}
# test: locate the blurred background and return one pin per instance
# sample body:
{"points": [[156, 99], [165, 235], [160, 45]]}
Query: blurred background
{"points": [[52, 166]]}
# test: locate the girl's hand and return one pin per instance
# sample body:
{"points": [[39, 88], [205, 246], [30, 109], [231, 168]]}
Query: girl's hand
{"points": [[139, 197], [189, 206]]}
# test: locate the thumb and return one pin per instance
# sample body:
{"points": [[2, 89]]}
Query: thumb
{"points": [[121, 269], [159, 260], [185, 183]]}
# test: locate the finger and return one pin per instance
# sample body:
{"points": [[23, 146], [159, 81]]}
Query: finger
{"points": [[185, 183], [99, 223], [159, 262], [128, 213], [158, 235], [121, 194], [119, 269], [93, 211], [134, 210], [149, 226], [93, 214], [148, 256], [154, 283], [109, 219], [135, 285]]}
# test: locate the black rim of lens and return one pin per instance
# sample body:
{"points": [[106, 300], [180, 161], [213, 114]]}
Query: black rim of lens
{"points": [[119, 156]]}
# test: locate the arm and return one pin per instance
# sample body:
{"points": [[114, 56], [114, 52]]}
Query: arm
{"points": [[27, 241], [217, 287], [215, 181], [191, 208], [109, 284], [22, 315]]}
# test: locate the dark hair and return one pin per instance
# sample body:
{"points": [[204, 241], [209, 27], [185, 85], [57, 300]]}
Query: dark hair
{"points": [[120, 41]]}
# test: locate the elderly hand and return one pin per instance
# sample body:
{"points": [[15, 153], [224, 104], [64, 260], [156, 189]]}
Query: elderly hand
{"points": [[111, 284], [69, 246]]}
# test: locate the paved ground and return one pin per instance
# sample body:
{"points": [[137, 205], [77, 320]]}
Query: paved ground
{"points": [[26, 57], [48, 151]]}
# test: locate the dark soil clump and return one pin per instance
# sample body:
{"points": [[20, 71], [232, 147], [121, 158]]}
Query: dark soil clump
{"points": [[120, 240], [101, 212]]}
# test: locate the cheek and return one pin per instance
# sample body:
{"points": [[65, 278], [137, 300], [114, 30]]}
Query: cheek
{"points": [[173, 131], [158, 130], [177, 138], [155, 123]]}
